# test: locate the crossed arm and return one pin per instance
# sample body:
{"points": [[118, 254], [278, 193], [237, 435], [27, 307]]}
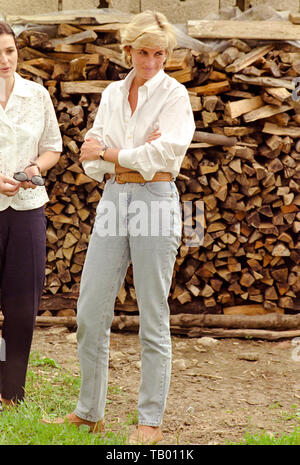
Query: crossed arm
{"points": [[91, 148]]}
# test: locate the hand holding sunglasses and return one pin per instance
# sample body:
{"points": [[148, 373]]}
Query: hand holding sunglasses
{"points": [[27, 177]]}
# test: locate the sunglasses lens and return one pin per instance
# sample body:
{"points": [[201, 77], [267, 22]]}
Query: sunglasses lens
{"points": [[37, 180], [20, 176]]}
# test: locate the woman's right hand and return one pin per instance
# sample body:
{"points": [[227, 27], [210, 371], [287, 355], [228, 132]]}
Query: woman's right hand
{"points": [[8, 186]]}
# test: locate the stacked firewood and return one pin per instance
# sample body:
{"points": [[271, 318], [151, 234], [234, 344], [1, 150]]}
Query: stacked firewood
{"points": [[250, 186], [243, 164]]}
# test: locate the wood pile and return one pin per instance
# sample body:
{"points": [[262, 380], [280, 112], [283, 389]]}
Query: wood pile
{"points": [[243, 164], [251, 188]]}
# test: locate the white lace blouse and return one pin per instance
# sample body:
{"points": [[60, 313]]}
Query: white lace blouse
{"points": [[28, 128]]}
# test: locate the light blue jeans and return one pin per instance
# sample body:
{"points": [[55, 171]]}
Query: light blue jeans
{"points": [[138, 223]]}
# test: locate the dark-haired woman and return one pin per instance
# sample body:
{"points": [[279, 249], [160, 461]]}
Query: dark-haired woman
{"points": [[30, 143]]}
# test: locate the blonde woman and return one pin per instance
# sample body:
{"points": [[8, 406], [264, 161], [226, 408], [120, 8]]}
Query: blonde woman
{"points": [[141, 132]]}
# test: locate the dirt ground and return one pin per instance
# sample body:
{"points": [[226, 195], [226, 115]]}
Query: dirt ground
{"points": [[220, 388]]}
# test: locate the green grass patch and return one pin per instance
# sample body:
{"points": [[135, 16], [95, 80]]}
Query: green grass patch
{"points": [[265, 439], [273, 439], [51, 392], [132, 419]]}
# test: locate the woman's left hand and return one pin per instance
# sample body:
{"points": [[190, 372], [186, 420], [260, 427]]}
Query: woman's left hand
{"points": [[31, 171], [90, 150], [153, 136]]}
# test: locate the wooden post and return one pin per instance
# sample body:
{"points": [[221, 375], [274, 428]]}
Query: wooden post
{"points": [[243, 5]]}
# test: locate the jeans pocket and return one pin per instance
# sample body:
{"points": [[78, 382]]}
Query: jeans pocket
{"points": [[160, 189]]}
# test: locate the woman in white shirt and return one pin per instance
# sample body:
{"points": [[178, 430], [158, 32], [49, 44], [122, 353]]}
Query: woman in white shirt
{"points": [[30, 142], [141, 132]]}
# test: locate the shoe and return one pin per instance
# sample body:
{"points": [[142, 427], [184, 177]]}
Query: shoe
{"points": [[147, 435], [95, 426], [7, 404], [1, 406]]}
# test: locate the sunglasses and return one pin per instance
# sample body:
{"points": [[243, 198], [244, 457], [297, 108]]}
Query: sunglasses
{"points": [[36, 180]]}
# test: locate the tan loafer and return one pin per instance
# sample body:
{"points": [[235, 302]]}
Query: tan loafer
{"points": [[147, 435], [7, 404], [95, 426]]}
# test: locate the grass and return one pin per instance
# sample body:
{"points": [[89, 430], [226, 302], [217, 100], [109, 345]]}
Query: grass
{"points": [[265, 439], [51, 391]]}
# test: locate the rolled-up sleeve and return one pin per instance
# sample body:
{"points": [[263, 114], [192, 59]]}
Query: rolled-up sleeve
{"points": [[51, 139], [177, 127]]}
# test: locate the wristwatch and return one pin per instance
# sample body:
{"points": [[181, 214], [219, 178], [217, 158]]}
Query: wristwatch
{"points": [[101, 154], [33, 163]]}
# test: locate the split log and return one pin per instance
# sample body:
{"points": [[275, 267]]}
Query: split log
{"points": [[248, 58], [71, 18], [83, 87], [264, 81], [265, 112], [271, 128], [77, 38], [240, 107], [212, 89], [222, 29], [244, 333]]}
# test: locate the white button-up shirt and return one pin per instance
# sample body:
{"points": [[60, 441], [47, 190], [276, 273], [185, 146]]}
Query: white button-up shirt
{"points": [[28, 128], [163, 103]]}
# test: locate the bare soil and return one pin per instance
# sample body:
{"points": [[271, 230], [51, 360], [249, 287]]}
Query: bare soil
{"points": [[218, 391]]}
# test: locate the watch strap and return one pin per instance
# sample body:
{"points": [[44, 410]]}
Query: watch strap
{"points": [[33, 163], [102, 152]]}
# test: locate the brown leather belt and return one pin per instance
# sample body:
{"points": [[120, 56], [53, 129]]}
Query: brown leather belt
{"points": [[134, 176]]}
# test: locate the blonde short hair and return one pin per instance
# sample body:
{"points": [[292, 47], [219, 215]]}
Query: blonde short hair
{"points": [[149, 29]]}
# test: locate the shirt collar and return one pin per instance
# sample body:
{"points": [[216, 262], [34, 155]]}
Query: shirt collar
{"points": [[21, 87], [149, 85]]}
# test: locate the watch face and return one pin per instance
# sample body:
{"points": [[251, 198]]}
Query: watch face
{"points": [[101, 154]]}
